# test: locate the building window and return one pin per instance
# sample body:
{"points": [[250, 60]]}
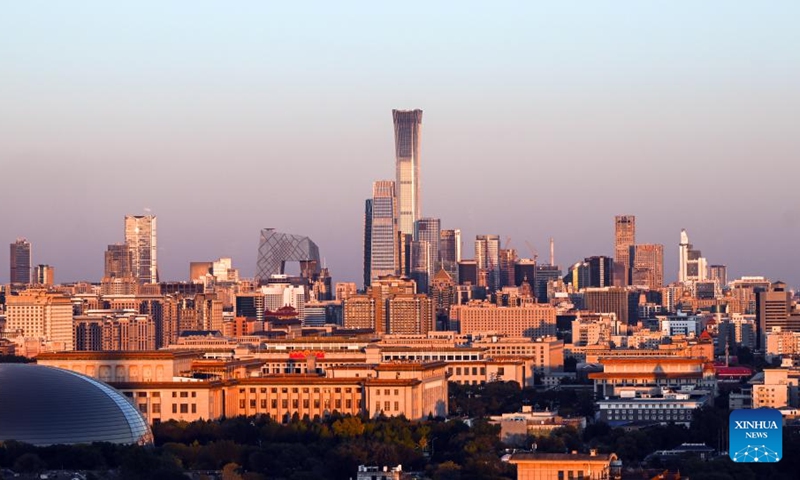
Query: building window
{"points": [[241, 404], [253, 403], [194, 408], [174, 408], [156, 408], [186, 394], [263, 404], [377, 407], [143, 407], [285, 403], [274, 403], [396, 406], [184, 408], [156, 394], [387, 406], [349, 404], [305, 403]]}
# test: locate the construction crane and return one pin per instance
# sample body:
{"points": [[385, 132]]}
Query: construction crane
{"points": [[533, 250], [508, 243]]}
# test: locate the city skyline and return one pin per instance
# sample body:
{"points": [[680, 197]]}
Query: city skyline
{"points": [[548, 130]]}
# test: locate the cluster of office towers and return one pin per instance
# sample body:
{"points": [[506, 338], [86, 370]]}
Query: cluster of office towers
{"points": [[135, 260], [399, 241]]}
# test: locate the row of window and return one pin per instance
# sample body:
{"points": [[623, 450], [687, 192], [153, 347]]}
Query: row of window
{"points": [[156, 408], [295, 403], [253, 390]]}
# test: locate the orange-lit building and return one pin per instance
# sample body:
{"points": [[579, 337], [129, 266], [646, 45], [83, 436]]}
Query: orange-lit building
{"points": [[649, 375], [563, 466]]}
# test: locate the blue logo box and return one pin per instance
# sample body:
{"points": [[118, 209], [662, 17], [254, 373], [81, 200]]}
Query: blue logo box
{"points": [[756, 436]]}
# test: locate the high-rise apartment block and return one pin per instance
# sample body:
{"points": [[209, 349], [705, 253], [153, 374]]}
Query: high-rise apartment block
{"points": [[407, 126], [141, 238], [624, 237], [20, 262], [384, 237], [647, 265]]}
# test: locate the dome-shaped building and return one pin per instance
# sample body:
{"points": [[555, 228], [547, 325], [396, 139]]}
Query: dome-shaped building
{"points": [[46, 406]]}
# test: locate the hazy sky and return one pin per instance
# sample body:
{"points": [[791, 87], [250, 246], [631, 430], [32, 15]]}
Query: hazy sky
{"points": [[539, 120]]}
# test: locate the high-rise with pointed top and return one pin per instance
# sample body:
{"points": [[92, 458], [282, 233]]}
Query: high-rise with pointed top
{"points": [[407, 125]]}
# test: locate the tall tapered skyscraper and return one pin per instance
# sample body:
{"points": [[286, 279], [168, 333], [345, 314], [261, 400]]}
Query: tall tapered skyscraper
{"points": [[383, 238], [624, 237], [20, 261], [140, 236], [407, 125]]}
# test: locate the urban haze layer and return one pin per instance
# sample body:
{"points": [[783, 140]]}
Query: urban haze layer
{"points": [[556, 370]]}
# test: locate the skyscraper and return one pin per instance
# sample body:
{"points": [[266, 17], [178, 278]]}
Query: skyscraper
{"points": [[118, 261], [20, 261], [487, 258], [600, 271], [43, 275], [450, 251], [773, 307], [140, 236], [624, 237], [719, 274], [407, 125], [647, 265], [427, 232], [384, 239], [683, 256], [367, 243], [692, 266]]}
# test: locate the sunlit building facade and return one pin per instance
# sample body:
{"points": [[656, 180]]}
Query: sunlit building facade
{"points": [[141, 239], [407, 129]]}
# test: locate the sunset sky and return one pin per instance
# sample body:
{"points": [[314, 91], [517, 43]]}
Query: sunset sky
{"points": [[540, 120]]}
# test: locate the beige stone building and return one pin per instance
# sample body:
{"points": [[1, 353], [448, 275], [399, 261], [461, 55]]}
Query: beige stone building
{"points": [[530, 320], [38, 314], [162, 386]]}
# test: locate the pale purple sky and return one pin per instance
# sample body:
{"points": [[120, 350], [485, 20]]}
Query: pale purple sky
{"points": [[539, 120]]}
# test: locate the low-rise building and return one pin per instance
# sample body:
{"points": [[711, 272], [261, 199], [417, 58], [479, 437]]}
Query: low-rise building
{"points": [[669, 407], [515, 427], [558, 466]]}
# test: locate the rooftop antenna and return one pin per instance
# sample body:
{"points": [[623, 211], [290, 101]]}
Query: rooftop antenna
{"points": [[552, 252]]}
